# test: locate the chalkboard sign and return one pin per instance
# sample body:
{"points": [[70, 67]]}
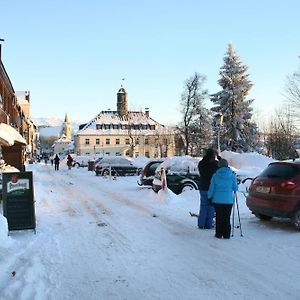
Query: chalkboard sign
{"points": [[18, 200]]}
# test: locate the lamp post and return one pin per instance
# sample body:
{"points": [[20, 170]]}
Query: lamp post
{"points": [[219, 122]]}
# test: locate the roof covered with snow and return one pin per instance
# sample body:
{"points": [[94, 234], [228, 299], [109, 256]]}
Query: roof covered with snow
{"points": [[110, 122], [9, 135]]}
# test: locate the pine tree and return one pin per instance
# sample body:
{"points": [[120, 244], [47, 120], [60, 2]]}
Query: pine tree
{"points": [[237, 132]]}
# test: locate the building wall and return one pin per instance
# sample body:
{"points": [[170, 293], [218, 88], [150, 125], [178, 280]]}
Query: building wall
{"points": [[147, 145]]}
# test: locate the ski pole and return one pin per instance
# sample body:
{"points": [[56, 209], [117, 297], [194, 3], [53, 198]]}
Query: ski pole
{"points": [[238, 211], [232, 234]]}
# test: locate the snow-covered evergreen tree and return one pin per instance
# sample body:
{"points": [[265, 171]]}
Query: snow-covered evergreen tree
{"points": [[237, 132]]}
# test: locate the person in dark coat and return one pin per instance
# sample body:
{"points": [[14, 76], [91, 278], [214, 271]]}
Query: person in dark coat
{"points": [[69, 161], [222, 189], [207, 167], [56, 162]]}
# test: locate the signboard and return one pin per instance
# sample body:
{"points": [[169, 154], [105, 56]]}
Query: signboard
{"points": [[18, 200]]}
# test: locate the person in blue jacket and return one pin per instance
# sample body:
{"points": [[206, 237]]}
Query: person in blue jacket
{"points": [[222, 188]]}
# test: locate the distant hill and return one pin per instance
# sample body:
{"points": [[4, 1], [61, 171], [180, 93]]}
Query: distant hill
{"points": [[52, 126], [53, 122]]}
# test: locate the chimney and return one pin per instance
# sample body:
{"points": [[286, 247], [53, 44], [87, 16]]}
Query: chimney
{"points": [[27, 96], [147, 112], [1, 40]]}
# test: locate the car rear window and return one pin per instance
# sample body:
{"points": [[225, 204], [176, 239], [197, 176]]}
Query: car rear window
{"points": [[280, 171]]}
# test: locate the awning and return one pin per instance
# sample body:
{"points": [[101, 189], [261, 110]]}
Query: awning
{"points": [[9, 135]]}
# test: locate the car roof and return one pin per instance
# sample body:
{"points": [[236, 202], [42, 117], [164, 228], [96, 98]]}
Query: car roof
{"points": [[290, 163]]}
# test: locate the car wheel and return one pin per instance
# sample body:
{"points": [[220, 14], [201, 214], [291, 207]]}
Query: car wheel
{"points": [[188, 187], [296, 219], [77, 165], [263, 217], [139, 171]]}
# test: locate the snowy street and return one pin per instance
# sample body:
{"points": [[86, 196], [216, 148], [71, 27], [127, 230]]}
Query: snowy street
{"points": [[111, 239]]}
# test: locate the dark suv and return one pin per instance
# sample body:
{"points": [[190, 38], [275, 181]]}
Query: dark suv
{"points": [[117, 165], [276, 192], [181, 173]]}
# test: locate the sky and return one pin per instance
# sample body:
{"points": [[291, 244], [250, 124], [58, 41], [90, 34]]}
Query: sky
{"points": [[73, 55], [98, 238]]}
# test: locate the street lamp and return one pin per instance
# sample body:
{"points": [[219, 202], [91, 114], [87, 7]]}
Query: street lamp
{"points": [[219, 122]]}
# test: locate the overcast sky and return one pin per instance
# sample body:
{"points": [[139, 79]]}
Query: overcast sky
{"points": [[72, 55]]}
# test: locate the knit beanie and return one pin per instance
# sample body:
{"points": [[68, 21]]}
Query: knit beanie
{"points": [[223, 163]]}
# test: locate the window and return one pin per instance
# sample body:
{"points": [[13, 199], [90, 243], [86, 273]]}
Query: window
{"points": [[136, 154], [127, 141], [98, 126], [107, 153], [115, 126], [106, 126], [97, 141], [147, 154], [127, 153], [118, 154], [107, 141], [137, 141], [117, 141], [87, 141], [146, 141]]}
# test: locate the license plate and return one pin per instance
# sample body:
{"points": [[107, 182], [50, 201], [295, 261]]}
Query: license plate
{"points": [[263, 189]]}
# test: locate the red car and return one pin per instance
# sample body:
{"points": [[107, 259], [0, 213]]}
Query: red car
{"points": [[276, 192]]}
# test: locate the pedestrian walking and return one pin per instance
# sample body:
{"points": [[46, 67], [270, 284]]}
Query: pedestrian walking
{"points": [[222, 189], [56, 162], [207, 167], [69, 161]]}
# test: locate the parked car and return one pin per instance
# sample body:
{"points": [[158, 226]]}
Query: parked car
{"points": [[276, 192], [148, 172], [83, 160], [181, 173], [119, 166]]}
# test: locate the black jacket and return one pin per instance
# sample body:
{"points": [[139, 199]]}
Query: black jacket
{"points": [[207, 167]]}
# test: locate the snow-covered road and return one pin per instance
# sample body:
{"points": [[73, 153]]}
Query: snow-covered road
{"points": [[110, 239]]}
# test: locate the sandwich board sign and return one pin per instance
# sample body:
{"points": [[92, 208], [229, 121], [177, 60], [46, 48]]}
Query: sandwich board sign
{"points": [[18, 200]]}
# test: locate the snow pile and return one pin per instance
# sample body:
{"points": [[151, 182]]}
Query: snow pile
{"points": [[180, 163], [246, 164], [4, 238]]}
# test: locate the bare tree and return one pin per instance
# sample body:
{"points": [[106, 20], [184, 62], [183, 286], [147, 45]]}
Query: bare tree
{"points": [[164, 140], [292, 93], [281, 137], [191, 103]]}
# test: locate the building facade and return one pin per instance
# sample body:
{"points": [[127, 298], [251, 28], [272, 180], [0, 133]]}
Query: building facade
{"points": [[123, 132]]}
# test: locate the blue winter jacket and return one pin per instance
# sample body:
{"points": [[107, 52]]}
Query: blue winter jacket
{"points": [[222, 186]]}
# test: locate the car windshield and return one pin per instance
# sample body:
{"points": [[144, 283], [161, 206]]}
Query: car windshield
{"points": [[280, 171]]}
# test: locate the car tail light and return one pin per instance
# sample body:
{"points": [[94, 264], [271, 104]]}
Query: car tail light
{"points": [[145, 172], [288, 185]]}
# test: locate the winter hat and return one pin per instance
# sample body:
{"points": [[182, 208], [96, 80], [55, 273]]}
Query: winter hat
{"points": [[223, 163]]}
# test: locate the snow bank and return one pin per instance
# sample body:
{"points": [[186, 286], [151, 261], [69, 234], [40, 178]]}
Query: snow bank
{"points": [[5, 240], [180, 163], [247, 164]]}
